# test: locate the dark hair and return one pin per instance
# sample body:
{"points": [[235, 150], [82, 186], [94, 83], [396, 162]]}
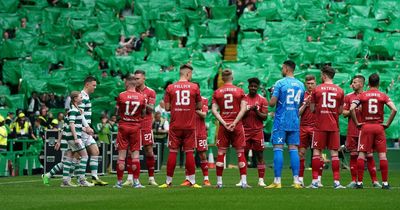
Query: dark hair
{"points": [[328, 71], [290, 64], [186, 66], [310, 77], [89, 79], [361, 77], [140, 72], [254, 80], [373, 80]]}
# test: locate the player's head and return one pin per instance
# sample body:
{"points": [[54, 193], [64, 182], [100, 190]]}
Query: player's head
{"points": [[310, 82], [130, 82], [90, 84], [140, 77], [288, 68], [157, 116], [185, 71], [227, 76], [76, 97], [373, 80], [327, 73], [357, 83], [254, 84]]}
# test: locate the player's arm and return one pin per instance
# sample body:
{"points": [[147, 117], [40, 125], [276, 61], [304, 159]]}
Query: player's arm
{"points": [[201, 113], [214, 110], [242, 111], [150, 104], [73, 131], [392, 114], [304, 105], [261, 112], [273, 101], [86, 126], [352, 111]]}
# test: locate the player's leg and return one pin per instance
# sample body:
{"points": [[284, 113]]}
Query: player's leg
{"points": [[360, 169], [380, 145], [134, 139], [129, 180], [189, 144], [305, 138], [67, 161], [372, 170], [238, 142], [93, 151], [351, 145], [222, 145], [248, 146], [174, 146], [120, 165], [293, 140], [333, 146], [147, 142], [82, 169], [365, 144], [302, 155], [260, 167], [278, 139], [318, 144], [202, 148], [383, 164], [56, 168]]}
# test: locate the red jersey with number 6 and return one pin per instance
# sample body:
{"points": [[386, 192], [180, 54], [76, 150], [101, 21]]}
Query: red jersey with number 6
{"points": [[130, 107], [228, 98], [328, 99], [183, 96], [372, 106]]}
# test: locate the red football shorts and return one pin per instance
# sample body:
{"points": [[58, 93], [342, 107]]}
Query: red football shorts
{"points": [[254, 140], [201, 144], [147, 137], [372, 138], [306, 136], [234, 138], [352, 143], [185, 138], [128, 136], [326, 139]]}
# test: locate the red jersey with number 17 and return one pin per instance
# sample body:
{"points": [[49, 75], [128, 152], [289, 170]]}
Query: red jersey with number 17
{"points": [[130, 107], [328, 99], [201, 130], [183, 96], [251, 121], [228, 98], [150, 97], [372, 106]]}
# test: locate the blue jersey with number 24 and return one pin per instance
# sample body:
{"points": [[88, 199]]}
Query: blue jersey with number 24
{"points": [[290, 94]]}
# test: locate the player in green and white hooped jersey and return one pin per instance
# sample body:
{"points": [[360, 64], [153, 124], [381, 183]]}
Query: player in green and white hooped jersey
{"points": [[90, 84], [73, 135]]}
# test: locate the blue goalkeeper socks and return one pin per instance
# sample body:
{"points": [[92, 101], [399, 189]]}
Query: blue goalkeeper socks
{"points": [[278, 161], [294, 161]]}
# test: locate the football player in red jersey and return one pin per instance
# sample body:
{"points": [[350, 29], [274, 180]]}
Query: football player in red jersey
{"points": [[229, 99], [353, 134], [182, 98], [372, 132], [130, 108], [327, 103]]}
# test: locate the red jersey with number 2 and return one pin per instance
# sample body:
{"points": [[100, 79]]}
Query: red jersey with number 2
{"points": [[130, 107], [183, 96], [228, 98], [328, 98], [372, 105]]}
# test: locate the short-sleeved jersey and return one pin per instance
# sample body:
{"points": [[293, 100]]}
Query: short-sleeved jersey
{"points": [[328, 99], [201, 130], [130, 107], [86, 106], [352, 129], [307, 118], [150, 97], [251, 121], [372, 106], [290, 94], [228, 98], [75, 115], [183, 96]]}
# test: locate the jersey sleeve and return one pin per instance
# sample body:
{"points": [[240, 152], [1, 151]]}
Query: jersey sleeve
{"points": [[214, 98], [277, 88], [198, 96], [167, 98], [341, 98], [264, 106], [357, 100], [118, 100], [387, 99], [72, 116], [347, 103], [205, 106], [152, 98]]}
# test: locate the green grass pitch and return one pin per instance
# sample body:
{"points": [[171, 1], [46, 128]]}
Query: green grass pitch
{"points": [[28, 192]]}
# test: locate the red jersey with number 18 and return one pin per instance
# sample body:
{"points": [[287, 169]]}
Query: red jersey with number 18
{"points": [[130, 107], [228, 98], [328, 99], [372, 106], [183, 96]]}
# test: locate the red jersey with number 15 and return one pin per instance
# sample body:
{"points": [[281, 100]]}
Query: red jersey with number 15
{"points": [[130, 107], [183, 96], [328, 99], [372, 105], [201, 130], [228, 98], [251, 121], [150, 97]]}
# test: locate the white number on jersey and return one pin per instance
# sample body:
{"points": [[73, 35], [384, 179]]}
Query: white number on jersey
{"points": [[328, 100], [291, 97], [182, 97], [372, 106], [228, 101], [135, 105]]}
